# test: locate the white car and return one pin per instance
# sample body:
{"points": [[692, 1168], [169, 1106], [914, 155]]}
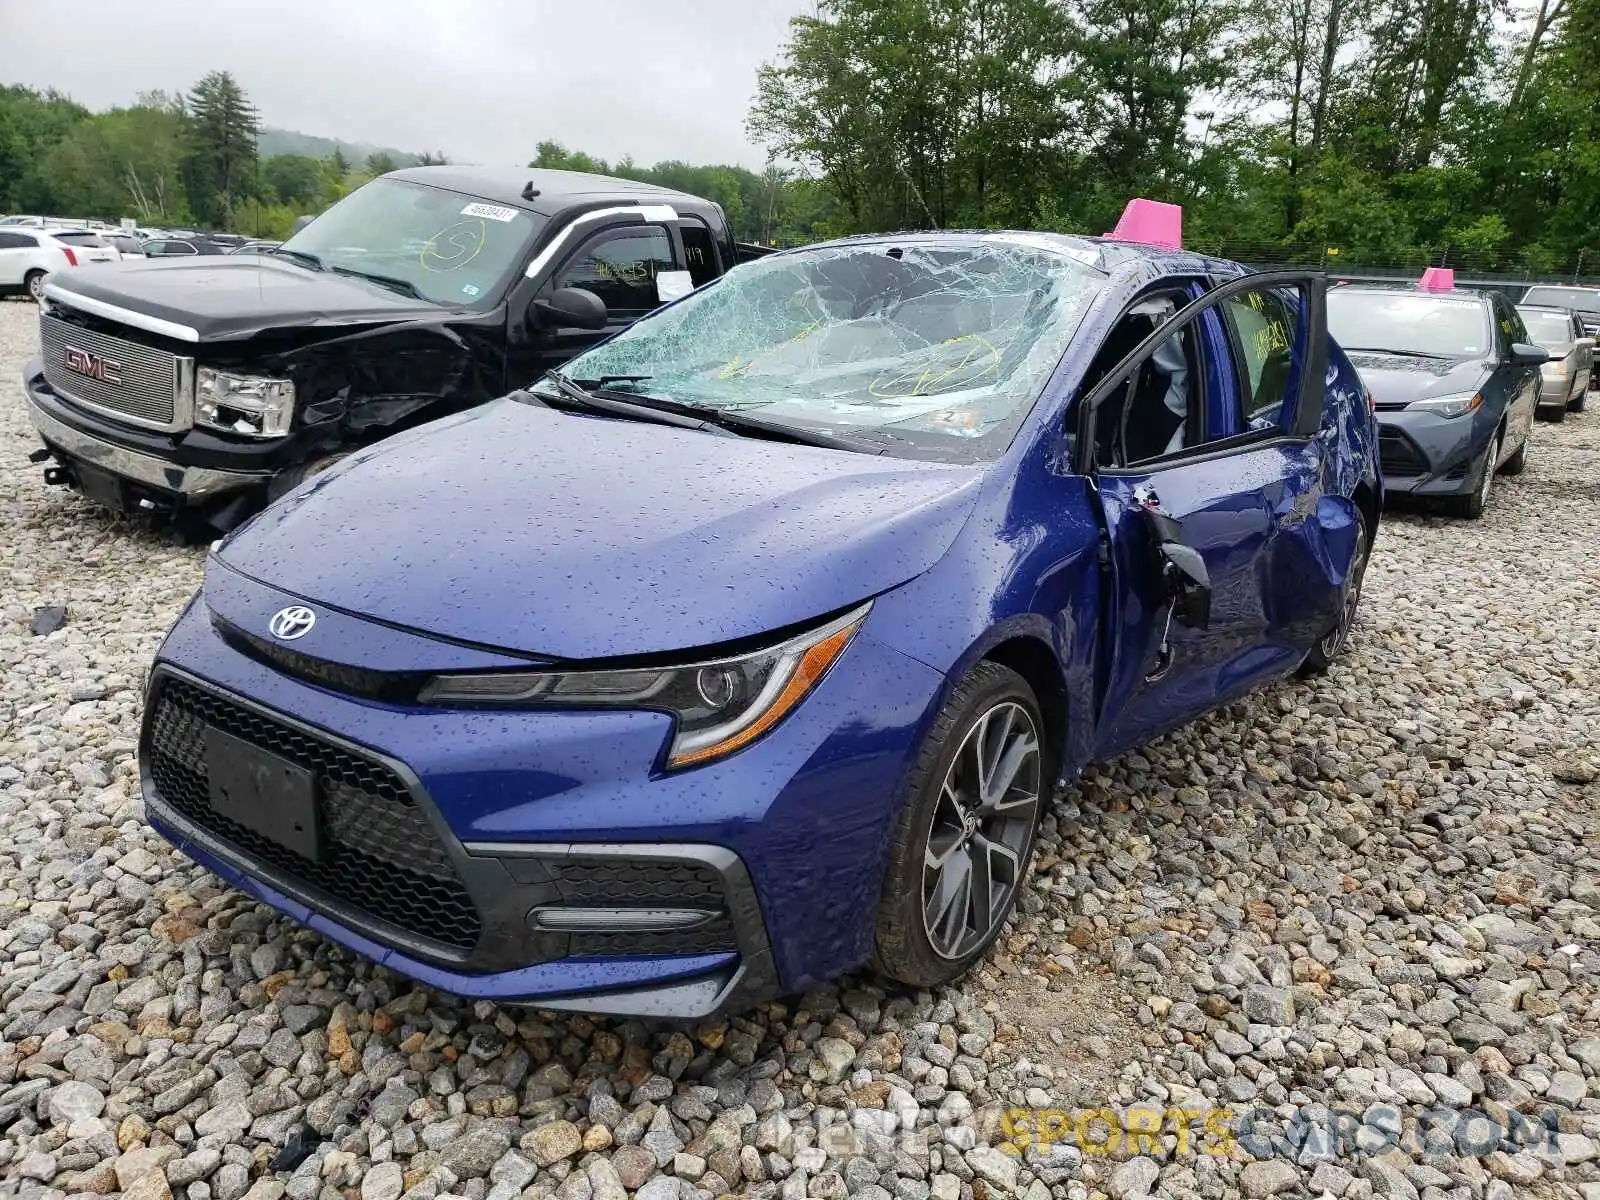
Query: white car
{"points": [[28, 256]]}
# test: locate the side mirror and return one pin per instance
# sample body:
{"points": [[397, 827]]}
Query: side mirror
{"points": [[1526, 355], [1189, 584], [570, 308]]}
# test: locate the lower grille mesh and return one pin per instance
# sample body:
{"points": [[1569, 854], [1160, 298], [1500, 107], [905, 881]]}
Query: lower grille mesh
{"points": [[648, 883], [381, 855]]}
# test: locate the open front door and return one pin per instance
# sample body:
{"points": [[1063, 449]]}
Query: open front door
{"points": [[1196, 491]]}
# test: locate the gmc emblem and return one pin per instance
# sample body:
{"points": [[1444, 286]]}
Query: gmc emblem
{"points": [[106, 370]]}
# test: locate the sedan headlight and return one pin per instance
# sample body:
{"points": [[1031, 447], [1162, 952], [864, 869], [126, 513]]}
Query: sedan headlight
{"points": [[720, 705], [1448, 406], [247, 404]]}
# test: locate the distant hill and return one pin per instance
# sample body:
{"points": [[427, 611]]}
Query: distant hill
{"points": [[286, 141]]}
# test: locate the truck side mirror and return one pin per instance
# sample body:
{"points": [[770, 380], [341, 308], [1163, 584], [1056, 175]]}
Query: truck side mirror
{"points": [[570, 308]]}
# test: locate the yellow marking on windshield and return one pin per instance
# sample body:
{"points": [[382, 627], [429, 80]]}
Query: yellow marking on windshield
{"points": [[976, 357], [454, 246]]}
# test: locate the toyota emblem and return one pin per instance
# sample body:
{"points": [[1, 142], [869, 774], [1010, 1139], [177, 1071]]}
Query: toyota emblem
{"points": [[292, 622]]}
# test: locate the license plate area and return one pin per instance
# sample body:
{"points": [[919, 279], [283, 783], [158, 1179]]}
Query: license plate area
{"points": [[101, 487], [266, 794]]}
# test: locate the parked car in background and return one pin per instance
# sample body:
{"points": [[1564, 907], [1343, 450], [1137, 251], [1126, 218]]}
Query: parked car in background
{"points": [[1566, 377], [429, 290], [1585, 301], [30, 256], [1455, 380], [753, 646], [181, 247], [125, 244], [254, 246]]}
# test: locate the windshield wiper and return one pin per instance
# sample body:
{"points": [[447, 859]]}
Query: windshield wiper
{"points": [[393, 282], [1391, 350], [311, 260], [759, 427], [614, 406], [607, 380]]}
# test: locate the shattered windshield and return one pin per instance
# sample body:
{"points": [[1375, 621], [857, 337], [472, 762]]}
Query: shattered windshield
{"points": [[439, 245], [940, 349]]}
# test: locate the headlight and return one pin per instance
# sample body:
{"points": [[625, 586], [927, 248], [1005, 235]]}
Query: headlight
{"points": [[247, 404], [720, 705], [1448, 406]]}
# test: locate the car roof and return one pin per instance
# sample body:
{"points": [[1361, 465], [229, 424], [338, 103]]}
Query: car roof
{"points": [[1109, 255], [1411, 289], [557, 190]]}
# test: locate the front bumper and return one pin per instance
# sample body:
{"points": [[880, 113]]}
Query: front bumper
{"points": [[1423, 454], [497, 820], [1555, 392], [117, 467]]}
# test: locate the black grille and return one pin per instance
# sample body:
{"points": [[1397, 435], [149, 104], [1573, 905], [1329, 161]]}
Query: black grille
{"points": [[1399, 455], [381, 855], [391, 687], [648, 883]]}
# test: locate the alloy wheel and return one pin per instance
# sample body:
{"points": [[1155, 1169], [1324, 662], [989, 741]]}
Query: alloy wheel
{"points": [[973, 860], [1334, 638], [36, 287]]}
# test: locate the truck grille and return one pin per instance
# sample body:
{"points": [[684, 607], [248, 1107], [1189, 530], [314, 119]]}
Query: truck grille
{"points": [[382, 857], [131, 382]]}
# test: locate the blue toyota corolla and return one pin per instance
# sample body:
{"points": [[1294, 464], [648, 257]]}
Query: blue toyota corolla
{"points": [[750, 650]]}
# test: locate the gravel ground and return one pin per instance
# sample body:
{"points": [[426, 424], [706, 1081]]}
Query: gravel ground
{"points": [[1378, 893]]}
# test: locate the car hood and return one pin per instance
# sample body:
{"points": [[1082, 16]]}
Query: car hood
{"points": [[519, 527], [220, 298], [1397, 379]]}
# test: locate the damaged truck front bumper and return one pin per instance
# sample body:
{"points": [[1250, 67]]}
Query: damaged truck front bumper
{"points": [[132, 470]]}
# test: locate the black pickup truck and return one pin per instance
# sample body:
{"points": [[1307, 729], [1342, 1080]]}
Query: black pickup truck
{"points": [[202, 389]]}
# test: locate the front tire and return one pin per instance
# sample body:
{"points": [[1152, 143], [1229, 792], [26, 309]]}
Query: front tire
{"points": [[34, 282], [1577, 402], [1471, 506], [287, 480], [961, 846], [1518, 462]]}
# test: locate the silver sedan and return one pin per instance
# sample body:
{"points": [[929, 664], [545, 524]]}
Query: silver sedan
{"points": [[1565, 378]]}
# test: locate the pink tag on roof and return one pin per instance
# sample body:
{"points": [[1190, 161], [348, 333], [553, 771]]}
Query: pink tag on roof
{"points": [[1437, 279], [1151, 223]]}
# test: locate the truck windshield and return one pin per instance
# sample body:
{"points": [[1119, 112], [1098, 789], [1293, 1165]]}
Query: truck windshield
{"points": [[1583, 300], [452, 248], [940, 348]]}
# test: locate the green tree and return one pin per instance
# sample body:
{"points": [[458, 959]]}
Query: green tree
{"points": [[221, 162], [379, 163]]}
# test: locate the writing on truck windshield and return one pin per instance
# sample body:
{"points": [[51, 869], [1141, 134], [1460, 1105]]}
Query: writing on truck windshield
{"points": [[943, 347], [444, 246]]}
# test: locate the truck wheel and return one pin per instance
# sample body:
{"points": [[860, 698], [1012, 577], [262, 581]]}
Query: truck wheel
{"points": [[1327, 649], [1576, 403], [1557, 415], [960, 849], [34, 282], [287, 480]]}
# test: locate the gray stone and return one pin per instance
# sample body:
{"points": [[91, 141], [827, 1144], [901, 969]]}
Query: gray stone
{"points": [[1267, 1177], [1133, 1178]]}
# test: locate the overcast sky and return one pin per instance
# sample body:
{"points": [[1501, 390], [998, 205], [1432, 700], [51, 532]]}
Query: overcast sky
{"points": [[482, 80]]}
